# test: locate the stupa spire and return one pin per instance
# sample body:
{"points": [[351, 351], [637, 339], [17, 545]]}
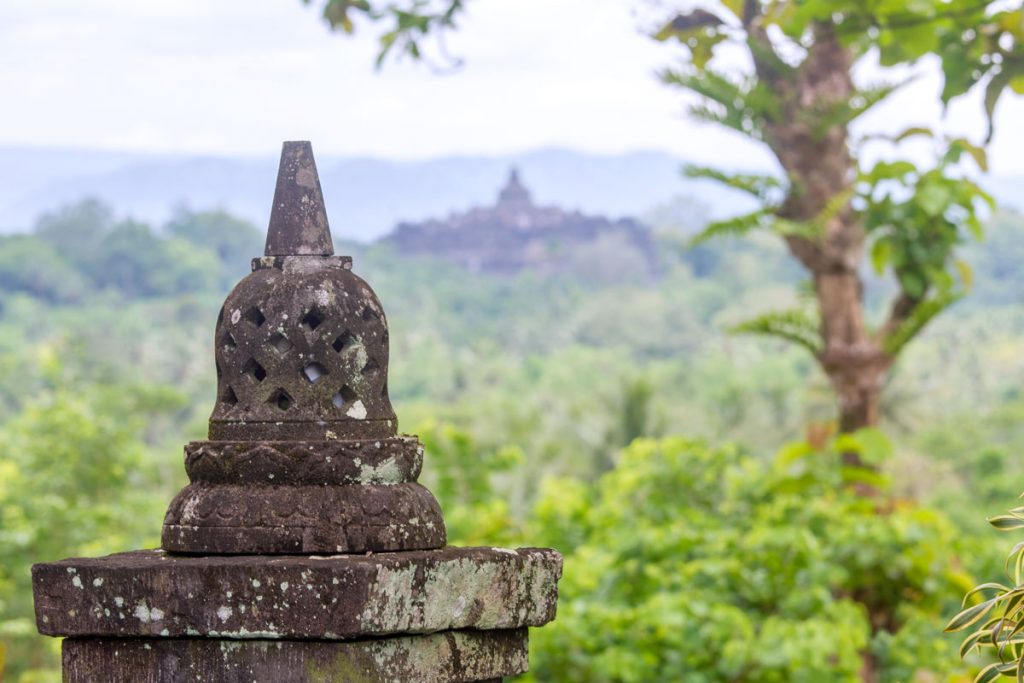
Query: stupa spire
{"points": [[298, 219], [514, 195]]}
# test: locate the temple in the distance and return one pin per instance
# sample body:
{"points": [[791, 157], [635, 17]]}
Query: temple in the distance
{"points": [[516, 234]]}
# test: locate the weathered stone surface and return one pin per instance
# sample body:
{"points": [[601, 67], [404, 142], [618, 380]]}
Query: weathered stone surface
{"points": [[152, 593], [248, 519], [450, 657], [298, 219], [385, 461], [302, 354]]}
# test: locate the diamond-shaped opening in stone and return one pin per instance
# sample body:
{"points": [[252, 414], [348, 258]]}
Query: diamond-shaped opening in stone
{"points": [[313, 319], [371, 366], [255, 316], [280, 399], [368, 313], [280, 343], [343, 397], [229, 341], [313, 372], [229, 397], [254, 370], [344, 340]]}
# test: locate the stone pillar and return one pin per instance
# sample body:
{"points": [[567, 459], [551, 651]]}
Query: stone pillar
{"points": [[303, 549]]}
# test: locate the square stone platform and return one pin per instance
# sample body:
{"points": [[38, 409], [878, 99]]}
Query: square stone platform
{"points": [[450, 615]]}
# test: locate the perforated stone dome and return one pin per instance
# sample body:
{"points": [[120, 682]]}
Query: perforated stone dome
{"points": [[302, 352]]}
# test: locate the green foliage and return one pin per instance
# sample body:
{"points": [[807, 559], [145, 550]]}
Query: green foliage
{"points": [[461, 478], [737, 226], [83, 246], [232, 241], [76, 230], [994, 612], [795, 326], [409, 21], [692, 563], [525, 390], [923, 314], [73, 481], [36, 268], [742, 104], [767, 188], [917, 219]]}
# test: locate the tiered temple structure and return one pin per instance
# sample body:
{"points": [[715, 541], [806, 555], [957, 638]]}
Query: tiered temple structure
{"points": [[515, 234], [303, 549]]}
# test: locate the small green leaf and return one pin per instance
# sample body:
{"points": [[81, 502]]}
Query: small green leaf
{"points": [[881, 255], [965, 271], [994, 671], [971, 615], [1006, 522], [914, 131], [993, 90], [977, 153], [1000, 588], [934, 198]]}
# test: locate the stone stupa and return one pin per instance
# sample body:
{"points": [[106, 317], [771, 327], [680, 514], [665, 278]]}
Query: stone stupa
{"points": [[303, 549]]}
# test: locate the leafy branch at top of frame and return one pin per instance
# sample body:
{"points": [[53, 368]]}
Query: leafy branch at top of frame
{"points": [[410, 22]]}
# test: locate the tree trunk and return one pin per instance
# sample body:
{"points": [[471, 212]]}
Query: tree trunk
{"points": [[854, 361], [821, 172]]}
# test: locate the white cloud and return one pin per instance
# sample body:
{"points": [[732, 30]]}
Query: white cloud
{"points": [[238, 76]]}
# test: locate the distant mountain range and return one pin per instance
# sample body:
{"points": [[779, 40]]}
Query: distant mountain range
{"points": [[365, 197]]}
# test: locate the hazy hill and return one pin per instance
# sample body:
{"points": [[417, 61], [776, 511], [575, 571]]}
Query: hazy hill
{"points": [[366, 197]]}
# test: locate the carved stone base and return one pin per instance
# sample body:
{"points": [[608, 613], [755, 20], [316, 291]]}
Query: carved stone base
{"points": [[342, 597], [449, 657], [245, 520], [280, 497]]}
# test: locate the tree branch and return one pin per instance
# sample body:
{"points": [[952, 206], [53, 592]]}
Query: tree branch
{"points": [[903, 307]]}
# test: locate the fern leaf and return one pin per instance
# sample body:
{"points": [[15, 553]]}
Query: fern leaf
{"points": [[842, 113], [736, 226], [765, 187], [795, 326]]}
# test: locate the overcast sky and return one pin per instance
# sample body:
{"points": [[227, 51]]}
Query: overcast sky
{"points": [[239, 76]]}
